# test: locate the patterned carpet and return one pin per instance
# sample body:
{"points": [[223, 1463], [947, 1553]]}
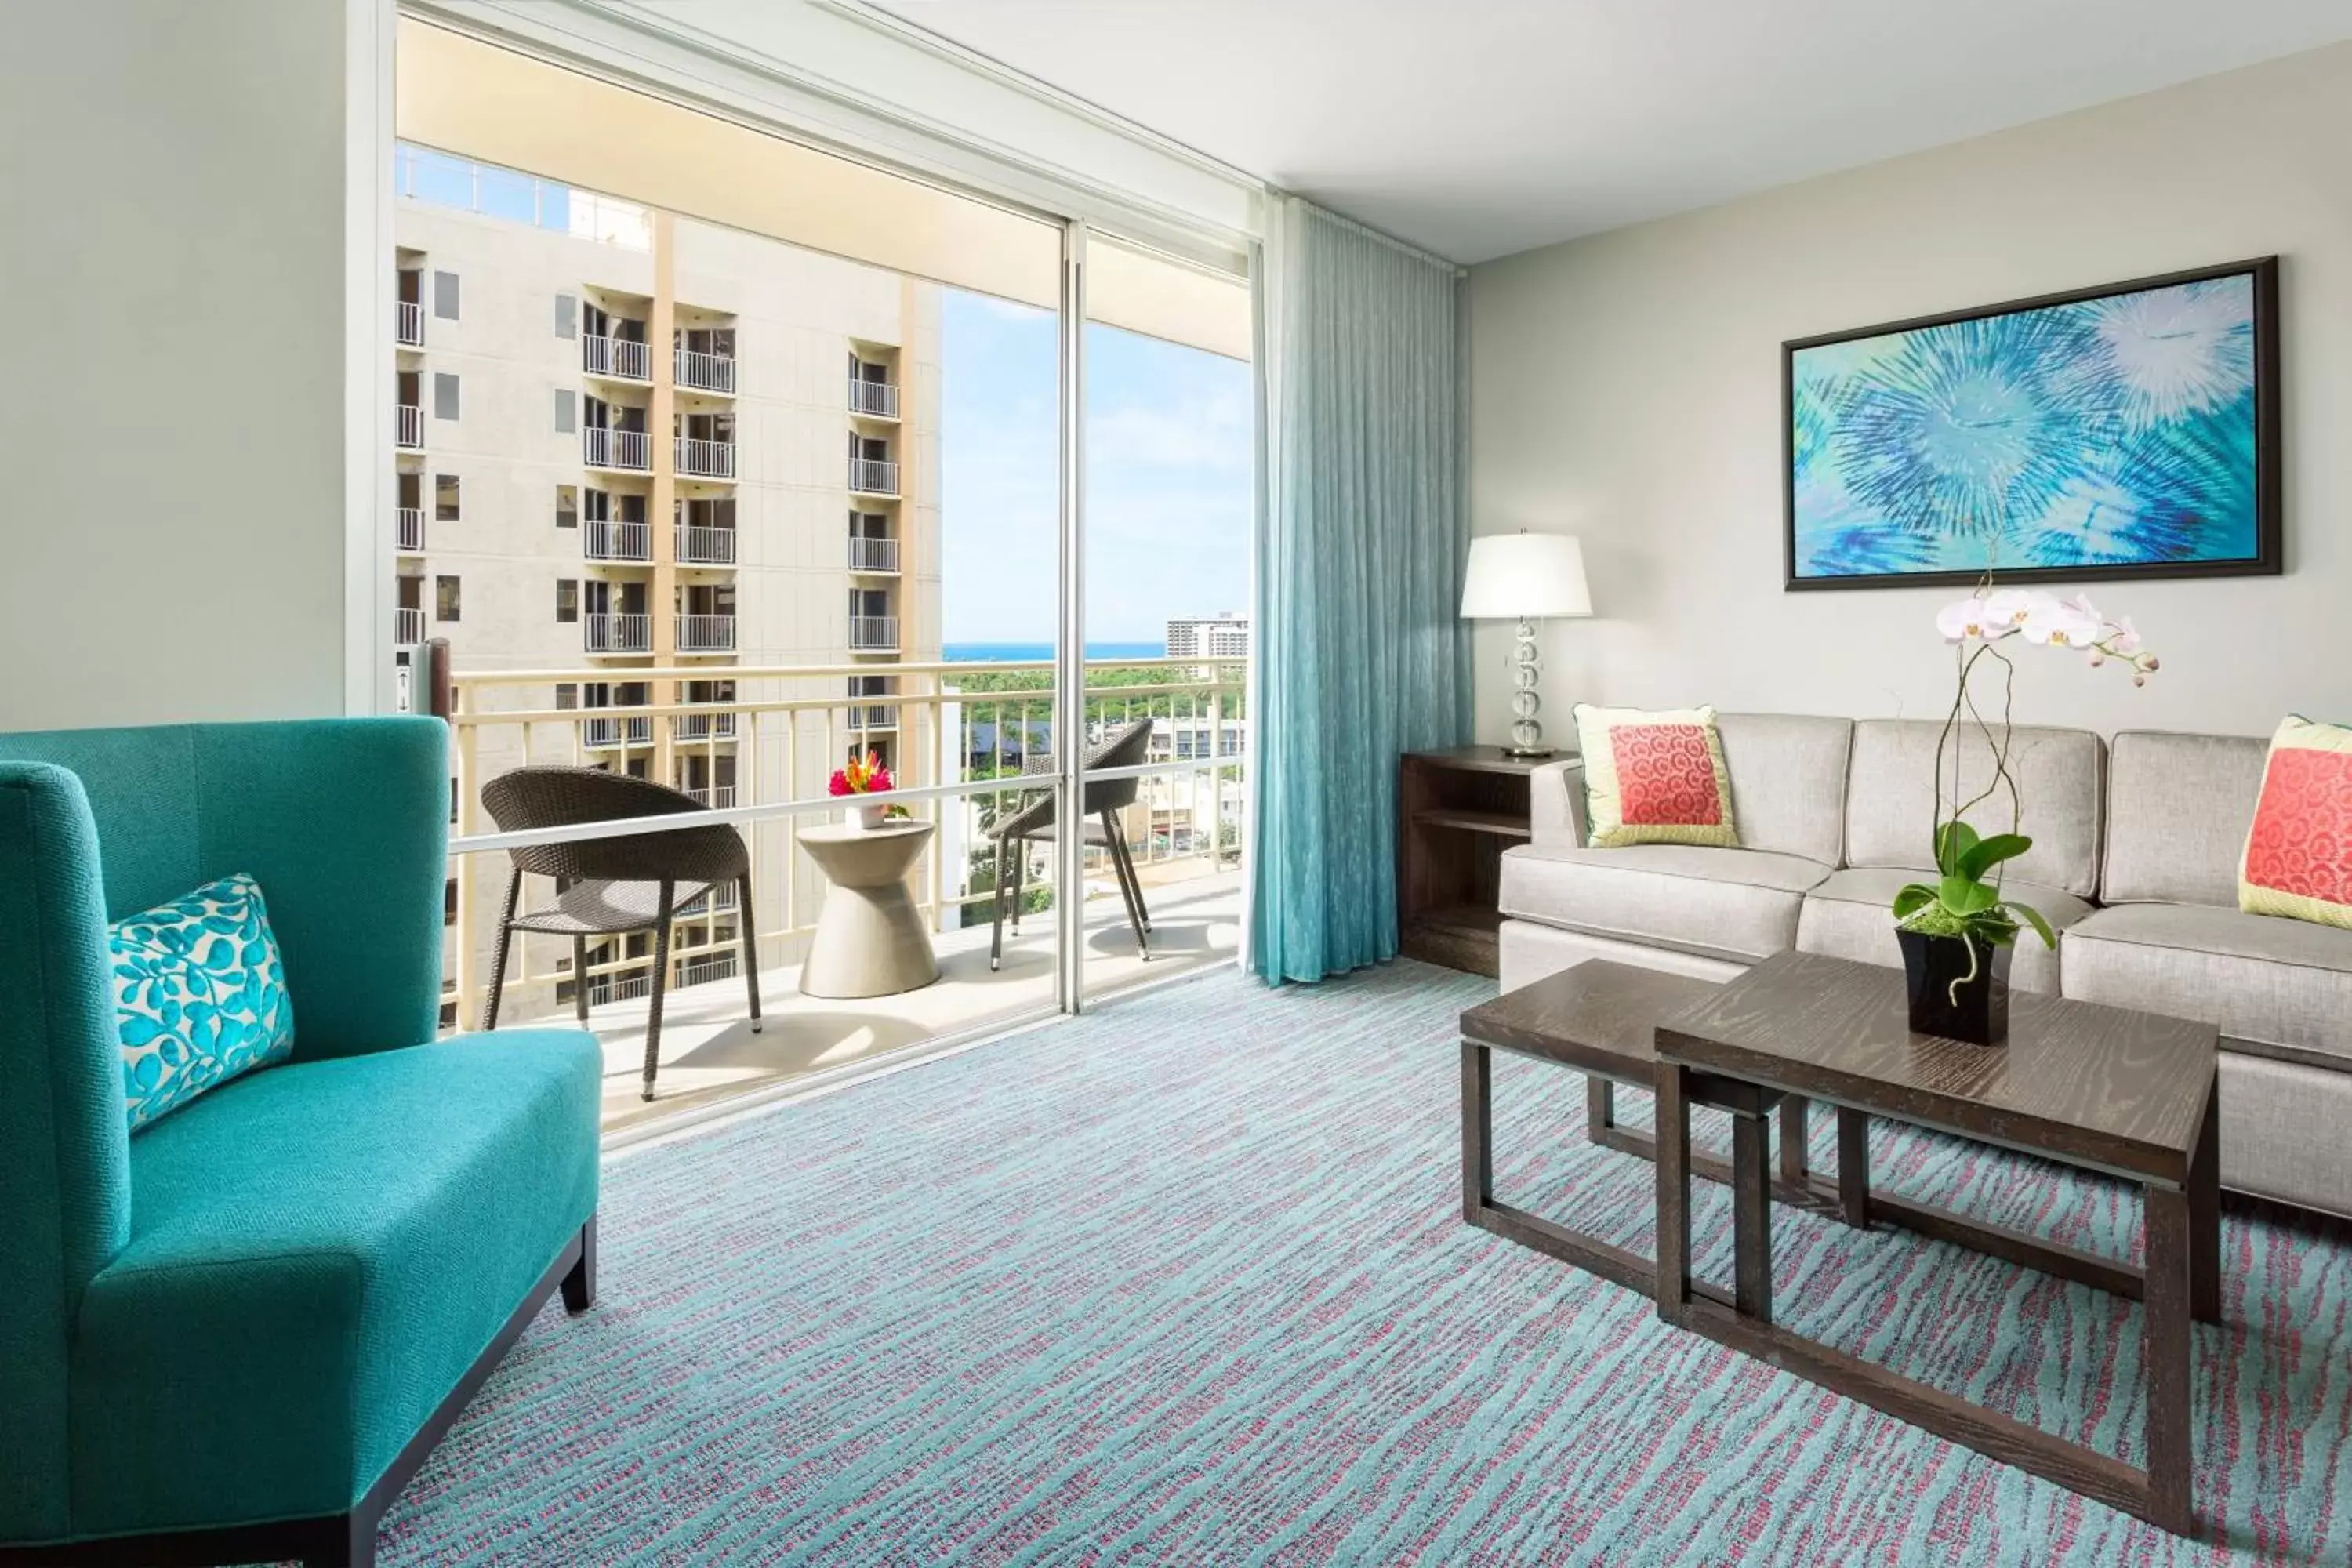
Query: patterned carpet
{"points": [[1186, 1282]]}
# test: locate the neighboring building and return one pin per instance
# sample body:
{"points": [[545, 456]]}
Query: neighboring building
{"points": [[621, 438], [1225, 635]]}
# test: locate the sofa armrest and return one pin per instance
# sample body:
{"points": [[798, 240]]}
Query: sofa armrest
{"points": [[1555, 804]]}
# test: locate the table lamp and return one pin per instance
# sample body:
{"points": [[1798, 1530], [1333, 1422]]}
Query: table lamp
{"points": [[1525, 577]]}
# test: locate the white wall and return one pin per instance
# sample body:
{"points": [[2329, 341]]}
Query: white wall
{"points": [[1626, 389], [172, 419]]}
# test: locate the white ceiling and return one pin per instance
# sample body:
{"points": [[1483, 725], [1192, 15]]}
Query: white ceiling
{"points": [[1483, 127]]}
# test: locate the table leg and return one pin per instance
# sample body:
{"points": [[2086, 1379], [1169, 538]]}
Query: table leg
{"points": [[2169, 1354], [1795, 1170], [1751, 1218], [2205, 1216], [1478, 1128], [1673, 1278], [1854, 1167], [1600, 1108]]}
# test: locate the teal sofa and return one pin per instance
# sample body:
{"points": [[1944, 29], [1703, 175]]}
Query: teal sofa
{"points": [[234, 1336]]}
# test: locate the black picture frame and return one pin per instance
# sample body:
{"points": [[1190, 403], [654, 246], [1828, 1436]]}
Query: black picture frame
{"points": [[2270, 527]]}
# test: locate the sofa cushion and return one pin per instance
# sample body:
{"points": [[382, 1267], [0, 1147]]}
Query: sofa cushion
{"points": [[317, 1253], [2061, 774], [1735, 904], [199, 996], [1788, 781], [2275, 981], [1848, 917], [2177, 810], [1654, 777], [2298, 860]]}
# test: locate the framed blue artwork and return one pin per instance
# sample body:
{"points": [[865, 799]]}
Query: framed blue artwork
{"points": [[2124, 431]]}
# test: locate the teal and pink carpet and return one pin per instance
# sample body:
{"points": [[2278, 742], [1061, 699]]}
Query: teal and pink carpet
{"points": [[1186, 1282]]}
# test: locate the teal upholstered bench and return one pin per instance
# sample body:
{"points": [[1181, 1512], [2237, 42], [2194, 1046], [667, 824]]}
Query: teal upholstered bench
{"points": [[235, 1335]]}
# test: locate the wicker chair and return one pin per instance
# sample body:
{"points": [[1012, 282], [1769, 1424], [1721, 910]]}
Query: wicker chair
{"points": [[1102, 802], [614, 887]]}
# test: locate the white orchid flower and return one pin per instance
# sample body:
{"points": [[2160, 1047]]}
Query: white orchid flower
{"points": [[2050, 623], [2007, 609], [1964, 622], [2124, 638]]}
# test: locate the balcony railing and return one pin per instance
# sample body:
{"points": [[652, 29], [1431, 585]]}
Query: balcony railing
{"points": [[873, 476], [617, 357], [870, 555], [702, 727], [709, 966], [625, 450], [873, 716], [701, 459], [618, 634], [704, 546], [607, 539], [706, 634], [704, 372], [718, 797], [408, 324], [599, 733], [718, 900], [408, 426], [873, 633], [412, 528], [407, 627], [878, 398]]}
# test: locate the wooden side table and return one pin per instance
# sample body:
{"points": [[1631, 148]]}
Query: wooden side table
{"points": [[1457, 811]]}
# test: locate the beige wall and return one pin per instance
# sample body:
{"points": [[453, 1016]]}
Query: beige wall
{"points": [[1626, 389]]}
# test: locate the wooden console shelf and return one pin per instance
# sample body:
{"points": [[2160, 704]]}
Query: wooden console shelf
{"points": [[1457, 811]]}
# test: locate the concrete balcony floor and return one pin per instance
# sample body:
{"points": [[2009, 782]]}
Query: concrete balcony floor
{"points": [[709, 1055]]}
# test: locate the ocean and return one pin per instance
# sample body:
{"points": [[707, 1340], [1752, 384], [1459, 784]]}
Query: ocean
{"points": [[1034, 652]]}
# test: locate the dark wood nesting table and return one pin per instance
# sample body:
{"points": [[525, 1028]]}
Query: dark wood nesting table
{"points": [[2128, 1094]]}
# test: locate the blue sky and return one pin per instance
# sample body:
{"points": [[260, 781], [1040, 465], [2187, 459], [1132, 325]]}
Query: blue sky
{"points": [[1168, 478]]}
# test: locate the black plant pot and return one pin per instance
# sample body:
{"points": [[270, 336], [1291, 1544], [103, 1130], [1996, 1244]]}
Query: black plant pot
{"points": [[1943, 1002]]}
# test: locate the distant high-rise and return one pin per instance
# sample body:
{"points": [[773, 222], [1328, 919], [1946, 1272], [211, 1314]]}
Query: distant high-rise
{"points": [[1222, 636]]}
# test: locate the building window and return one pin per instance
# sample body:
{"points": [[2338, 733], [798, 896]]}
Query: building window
{"points": [[444, 498], [449, 902], [445, 295], [567, 411], [448, 1015], [567, 694], [444, 395], [567, 506], [453, 803], [567, 600], [567, 316], [444, 598]]}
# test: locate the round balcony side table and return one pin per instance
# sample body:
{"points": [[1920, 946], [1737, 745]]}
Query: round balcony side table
{"points": [[869, 941]]}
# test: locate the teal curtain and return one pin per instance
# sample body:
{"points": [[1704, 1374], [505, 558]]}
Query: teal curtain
{"points": [[1361, 538]]}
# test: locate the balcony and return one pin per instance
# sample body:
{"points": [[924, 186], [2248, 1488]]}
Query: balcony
{"points": [[700, 460], [408, 428], [874, 634], [704, 546], [407, 627], [625, 450], [702, 727], [873, 716], [601, 734], [718, 797], [720, 898], [412, 530], [603, 539], [706, 634], [617, 634], [617, 359], [874, 399], [873, 476], [408, 324], [706, 372], [870, 555]]}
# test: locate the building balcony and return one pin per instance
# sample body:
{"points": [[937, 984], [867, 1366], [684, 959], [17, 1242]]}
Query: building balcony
{"points": [[700, 460], [873, 716], [616, 359], [704, 546], [704, 372], [628, 543], [407, 627], [601, 734], [870, 555], [412, 530], [617, 634], [874, 634], [873, 476], [624, 450], [874, 399], [408, 428], [718, 797], [702, 727], [706, 634], [408, 324], [719, 899]]}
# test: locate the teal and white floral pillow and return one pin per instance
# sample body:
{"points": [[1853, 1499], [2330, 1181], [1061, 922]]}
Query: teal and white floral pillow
{"points": [[199, 995]]}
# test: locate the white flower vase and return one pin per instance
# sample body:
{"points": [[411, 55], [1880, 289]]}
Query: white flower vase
{"points": [[867, 816]]}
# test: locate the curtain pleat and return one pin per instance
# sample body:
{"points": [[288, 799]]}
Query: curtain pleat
{"points": [[1361, 653]]}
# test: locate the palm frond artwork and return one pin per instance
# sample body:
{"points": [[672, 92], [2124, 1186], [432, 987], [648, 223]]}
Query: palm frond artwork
{"points": [[2108, 430]]}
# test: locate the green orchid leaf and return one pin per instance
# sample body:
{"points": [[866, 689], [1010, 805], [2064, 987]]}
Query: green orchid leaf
{"points": [[1953, 839], [1912, 900], [2032, 918], [1984, 855], [1966, 895]]}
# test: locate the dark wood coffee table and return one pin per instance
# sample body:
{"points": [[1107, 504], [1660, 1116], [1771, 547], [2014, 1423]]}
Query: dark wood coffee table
{"points": [[2130, 1094]]}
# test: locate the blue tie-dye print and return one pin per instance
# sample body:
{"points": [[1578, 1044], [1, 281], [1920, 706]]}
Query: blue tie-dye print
{"points": [[199, 996]]}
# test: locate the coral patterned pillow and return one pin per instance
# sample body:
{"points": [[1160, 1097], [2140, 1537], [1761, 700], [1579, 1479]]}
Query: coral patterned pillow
{"points": [[2298, 860], [1654, 778]]}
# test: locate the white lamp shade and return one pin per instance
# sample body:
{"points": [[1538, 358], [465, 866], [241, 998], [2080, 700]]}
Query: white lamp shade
{"points": [[1525, 576]]}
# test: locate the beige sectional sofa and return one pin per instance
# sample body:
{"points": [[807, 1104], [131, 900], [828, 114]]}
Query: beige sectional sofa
{"points": [[2134, 860]]}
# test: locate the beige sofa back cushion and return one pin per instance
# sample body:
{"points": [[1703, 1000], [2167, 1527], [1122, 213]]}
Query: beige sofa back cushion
{"points": [[1788, 781], [1891, 798], [2178, 807]]}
